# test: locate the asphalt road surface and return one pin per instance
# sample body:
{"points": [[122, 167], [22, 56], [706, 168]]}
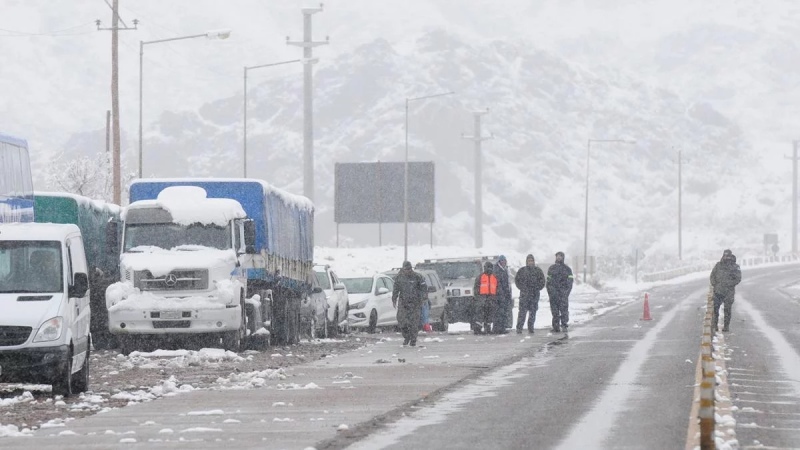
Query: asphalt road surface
{"points": [[615, 382]]}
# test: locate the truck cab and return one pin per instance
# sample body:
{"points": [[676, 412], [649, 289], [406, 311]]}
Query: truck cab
{"points": [[44, 290], [181, 271]]}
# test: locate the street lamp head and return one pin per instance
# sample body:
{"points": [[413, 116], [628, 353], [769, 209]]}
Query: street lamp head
{"points": [[218, 34]]}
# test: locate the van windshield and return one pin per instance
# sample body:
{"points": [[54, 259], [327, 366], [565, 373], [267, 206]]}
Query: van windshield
{"points": [[453, 270], [171, 235], [31, 267]]}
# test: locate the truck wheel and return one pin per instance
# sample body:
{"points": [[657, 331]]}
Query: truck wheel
{"points": [[80, 382], [63, 384], [234, 340], [373, 321]]}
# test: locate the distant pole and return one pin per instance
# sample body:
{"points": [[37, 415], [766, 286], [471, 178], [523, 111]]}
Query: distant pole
{"points": [[115, 157], [477, 137], [108, 133], [680, 206], [794, 159], [380, 205], [636, 268], [308, 45]]}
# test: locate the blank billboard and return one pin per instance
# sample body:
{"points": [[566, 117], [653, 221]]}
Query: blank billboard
{"points": [[373, 192]]}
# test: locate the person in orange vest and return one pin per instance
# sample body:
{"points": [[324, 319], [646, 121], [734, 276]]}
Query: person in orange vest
{"points": [[484, 305]]}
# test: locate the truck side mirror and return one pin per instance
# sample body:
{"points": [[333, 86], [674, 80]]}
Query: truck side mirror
{"points": [[79, 286], [112, 236], [250, 237]]}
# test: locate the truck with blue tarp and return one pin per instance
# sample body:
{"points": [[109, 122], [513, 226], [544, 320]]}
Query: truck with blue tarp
{"points": [[91, 217], [225, 258]]}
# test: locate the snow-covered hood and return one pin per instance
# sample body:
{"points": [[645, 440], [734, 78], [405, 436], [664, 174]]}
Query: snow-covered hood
{"points": [[29, 313], [355, 298], [161, 262]]}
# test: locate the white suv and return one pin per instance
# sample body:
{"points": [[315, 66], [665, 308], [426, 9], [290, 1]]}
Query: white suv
{"points": [[336, 293]]}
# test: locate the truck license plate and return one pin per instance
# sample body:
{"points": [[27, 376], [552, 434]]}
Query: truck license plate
{"points": [[171, 315]]}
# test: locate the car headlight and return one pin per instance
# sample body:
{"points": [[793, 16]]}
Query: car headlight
{"points": [[50, 330], [358, 305]]}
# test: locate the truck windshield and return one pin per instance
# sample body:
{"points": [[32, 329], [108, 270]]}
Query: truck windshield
{"points": [[170, 235], [453, 270], [30, 267]]}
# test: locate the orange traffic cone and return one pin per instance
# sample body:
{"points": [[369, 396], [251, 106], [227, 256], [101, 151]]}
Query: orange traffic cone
{"points": [[646, 313]]}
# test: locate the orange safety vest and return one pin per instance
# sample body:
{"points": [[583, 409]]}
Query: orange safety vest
{"points": [[488, 285]]}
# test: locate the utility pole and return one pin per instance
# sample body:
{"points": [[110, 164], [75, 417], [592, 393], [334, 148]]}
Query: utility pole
{"points": [[115, 20], [477, 137], [308, 45], [794, 159], [680, 204]]}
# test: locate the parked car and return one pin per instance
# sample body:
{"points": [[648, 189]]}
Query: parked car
{"points": [[336, 293], [370, 302], [314, 311], [437, 294]]}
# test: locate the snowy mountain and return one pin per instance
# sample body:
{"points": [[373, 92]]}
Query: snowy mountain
{"points": [[710, 79]]}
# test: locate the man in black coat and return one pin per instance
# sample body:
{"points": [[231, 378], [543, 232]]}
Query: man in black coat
{"points": [[504, 300], [559, 285], [724, 278], [411, 290], [529, 280]]}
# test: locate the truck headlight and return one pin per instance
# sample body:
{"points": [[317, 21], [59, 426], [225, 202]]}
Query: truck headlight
{"points": [[50, 330]]}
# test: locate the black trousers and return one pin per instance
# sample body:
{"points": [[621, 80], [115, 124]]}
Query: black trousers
{"points": [[559, 306], [719, 300], [528, 305]]}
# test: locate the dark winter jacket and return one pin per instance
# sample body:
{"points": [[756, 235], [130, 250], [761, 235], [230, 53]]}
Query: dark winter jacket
{"points": [[529, 281], [503, 284], [411, 290], [559, 280], [724, 278]]}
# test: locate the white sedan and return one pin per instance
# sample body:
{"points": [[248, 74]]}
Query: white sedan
{"points": [[370, 302]]}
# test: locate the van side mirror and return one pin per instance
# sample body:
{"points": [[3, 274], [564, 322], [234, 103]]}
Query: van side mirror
{"points": [[112, 236], [79, 286], [250, 237]]}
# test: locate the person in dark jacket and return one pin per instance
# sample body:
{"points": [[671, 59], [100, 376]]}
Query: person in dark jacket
{"points": [[724, 278], [559, 286], [484, 300], [504, 300], [410, 291], [529, 280]]}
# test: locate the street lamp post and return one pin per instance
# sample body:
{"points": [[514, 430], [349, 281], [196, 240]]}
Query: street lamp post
{"points": [[244, 139], [215, 34], [405, 173], [586, 212]]}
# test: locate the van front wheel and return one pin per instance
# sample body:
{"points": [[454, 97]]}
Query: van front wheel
{"points": [[63, 384], [80, 382]]}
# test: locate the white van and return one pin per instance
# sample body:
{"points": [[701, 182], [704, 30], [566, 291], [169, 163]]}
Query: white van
{"points": [[44, 293]]}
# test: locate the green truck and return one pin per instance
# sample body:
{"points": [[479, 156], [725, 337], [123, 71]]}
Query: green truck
{"points": [[91, 217]]}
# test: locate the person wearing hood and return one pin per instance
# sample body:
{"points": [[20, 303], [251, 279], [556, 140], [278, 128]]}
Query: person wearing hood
{"points": [[559, 286], [529, 280], [725, 275], [410, 290], [504, 300], [484, 300]]}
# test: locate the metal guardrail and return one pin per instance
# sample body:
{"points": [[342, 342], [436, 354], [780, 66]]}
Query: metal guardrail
{"points": [[705, 266], [708, 382]]}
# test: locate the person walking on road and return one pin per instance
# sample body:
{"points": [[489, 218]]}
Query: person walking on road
{"points": [[529, 280], [410, 291], [724, 278], [504, 301], [559, 286], [485, 300]]}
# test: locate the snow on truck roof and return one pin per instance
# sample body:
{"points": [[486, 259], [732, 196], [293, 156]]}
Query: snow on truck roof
{"points": [[293, 199], [189, 204], [30, 231], [81, 200]]}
